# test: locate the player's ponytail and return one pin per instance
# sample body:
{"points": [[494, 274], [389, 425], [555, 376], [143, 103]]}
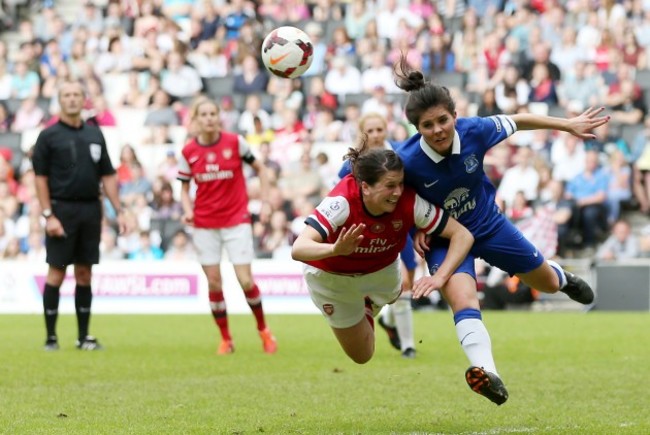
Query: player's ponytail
{"points": [[422, 94]]}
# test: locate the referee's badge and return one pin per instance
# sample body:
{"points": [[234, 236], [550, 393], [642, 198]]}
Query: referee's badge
{"points": [[95, 152]]}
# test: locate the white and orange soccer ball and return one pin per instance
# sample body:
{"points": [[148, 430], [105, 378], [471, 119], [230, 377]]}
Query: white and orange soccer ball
{"points": [[287, 52]]}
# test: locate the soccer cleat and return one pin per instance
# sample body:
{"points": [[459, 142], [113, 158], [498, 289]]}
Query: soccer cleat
{"points": [[269, 342], [225, 347], [486, 384], [393, 336], [51, 343], [578, 289], [409, 353], [89, 343]]}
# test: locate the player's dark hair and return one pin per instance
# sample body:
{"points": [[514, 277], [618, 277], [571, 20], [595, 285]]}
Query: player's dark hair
{"points": [[370, 165], [422, 94]]}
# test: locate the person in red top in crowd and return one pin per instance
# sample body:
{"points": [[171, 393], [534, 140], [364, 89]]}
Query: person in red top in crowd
{"points": [[213, 160], [352, 240]]}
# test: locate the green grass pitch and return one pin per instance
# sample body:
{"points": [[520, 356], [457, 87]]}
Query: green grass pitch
{"points": [[567, 373]]}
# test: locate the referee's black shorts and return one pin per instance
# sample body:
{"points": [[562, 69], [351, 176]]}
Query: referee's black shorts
{"points": [[82, 223]]}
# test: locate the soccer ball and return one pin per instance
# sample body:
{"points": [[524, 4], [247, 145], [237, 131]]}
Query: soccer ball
{"points": [[287, 52]]}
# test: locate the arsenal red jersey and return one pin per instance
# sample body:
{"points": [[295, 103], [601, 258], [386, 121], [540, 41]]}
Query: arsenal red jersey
{"points": [[221, 198], [384, 236]]}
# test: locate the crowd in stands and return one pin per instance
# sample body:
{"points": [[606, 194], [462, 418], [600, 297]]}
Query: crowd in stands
{"points": [[144, 61]]}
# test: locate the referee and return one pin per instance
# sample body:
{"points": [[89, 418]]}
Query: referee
{"points": [[70, 162]]}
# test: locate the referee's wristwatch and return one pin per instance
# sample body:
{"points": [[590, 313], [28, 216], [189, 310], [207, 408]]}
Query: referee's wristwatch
{"points": [[47, 213]]}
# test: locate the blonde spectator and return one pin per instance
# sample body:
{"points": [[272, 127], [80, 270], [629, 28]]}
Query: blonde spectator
{"points": [[229, 115]]}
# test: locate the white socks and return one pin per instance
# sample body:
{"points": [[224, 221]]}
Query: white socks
{"points": [[403, 314], [475, 340]]}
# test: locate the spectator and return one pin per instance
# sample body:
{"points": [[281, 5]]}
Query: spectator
{"points": [[252, 79], [6, 81], [160, 111], [5, 118], [542, 86], [357, 16], [619, 189], [620, 245], [180, 80], [29, 115], [522, 177], [108, 248], [589, 193], [318, 62], [145, 250], [253, 109], [342, 78], [181, 248], [139, 184], [25, 83], [488, 105], [641, 167], [165, 206]]}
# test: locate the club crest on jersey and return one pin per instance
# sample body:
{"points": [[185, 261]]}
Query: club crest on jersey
{"points": [[227, 153], [377, 228], [471, 164], [95, 152], [335, 205], [328, 309], [397, 225], [211, 157]]}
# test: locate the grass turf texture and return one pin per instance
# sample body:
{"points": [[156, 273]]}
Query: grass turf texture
{"points": [[567, 373]]}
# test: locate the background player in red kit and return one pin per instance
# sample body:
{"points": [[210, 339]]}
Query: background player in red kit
{"points": [[213, 159], [351, 243]]}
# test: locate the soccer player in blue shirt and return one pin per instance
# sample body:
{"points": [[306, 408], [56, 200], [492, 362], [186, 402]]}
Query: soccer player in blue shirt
{"points": [[443, 161]]}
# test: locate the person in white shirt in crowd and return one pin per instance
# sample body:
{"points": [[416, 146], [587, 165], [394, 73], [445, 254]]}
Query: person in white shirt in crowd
{"points": [[622, 244]]}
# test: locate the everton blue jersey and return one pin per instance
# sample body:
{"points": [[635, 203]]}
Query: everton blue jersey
{"points": [[458, 182]]}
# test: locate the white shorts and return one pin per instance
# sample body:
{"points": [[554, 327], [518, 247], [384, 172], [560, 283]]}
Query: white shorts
{"points": [[341, 297], [237, 240]]}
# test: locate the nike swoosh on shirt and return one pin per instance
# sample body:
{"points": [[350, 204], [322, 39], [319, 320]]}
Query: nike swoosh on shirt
{"points": [[275, 60], [430, 184]]}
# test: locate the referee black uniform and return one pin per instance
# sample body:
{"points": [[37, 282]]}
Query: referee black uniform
{"points": [[74, 160]]}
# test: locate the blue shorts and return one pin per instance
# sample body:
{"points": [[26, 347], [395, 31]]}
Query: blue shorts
{"points": [[408, 254], [506, 248]]}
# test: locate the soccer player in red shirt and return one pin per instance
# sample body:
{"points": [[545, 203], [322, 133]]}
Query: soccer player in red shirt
{"points": [[213, 159], [351, 245]]}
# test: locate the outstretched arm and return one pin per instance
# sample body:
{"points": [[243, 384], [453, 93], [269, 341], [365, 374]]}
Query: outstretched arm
{"points": [[580, 126], [310, 245]]}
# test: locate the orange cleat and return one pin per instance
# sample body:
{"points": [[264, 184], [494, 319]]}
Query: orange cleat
{"points": [[226, 347], [268, 341]]}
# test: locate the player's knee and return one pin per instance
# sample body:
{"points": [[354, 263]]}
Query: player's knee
{"points": [[363, 357]]}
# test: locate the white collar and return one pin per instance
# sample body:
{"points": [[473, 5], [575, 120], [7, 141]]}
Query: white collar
{"points": [[433, 155]]}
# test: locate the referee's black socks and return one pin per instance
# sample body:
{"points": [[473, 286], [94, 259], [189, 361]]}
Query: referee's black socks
{"points": [[50, 308], [83, 298]]}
